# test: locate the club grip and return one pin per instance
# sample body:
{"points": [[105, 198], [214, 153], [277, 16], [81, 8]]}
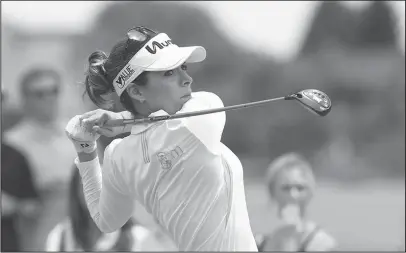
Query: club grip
{"points": [[114, 123]]}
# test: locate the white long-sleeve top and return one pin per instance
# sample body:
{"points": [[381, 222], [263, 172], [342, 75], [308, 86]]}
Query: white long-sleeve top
{"points": [[180, 171]]}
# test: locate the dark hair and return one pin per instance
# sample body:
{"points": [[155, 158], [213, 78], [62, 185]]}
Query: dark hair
{"points": [[81, 220], [103, 69], [35, 74]]}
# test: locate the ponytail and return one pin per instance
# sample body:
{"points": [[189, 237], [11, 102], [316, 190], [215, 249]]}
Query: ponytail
{"points": [[96, 81]]}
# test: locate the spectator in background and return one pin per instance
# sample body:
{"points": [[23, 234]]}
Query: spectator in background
{"points": [[40, 137], [19, 196], [291, 184], [79, 232]]}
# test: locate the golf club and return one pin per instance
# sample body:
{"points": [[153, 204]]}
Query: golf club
{"points": [[313, 100]]}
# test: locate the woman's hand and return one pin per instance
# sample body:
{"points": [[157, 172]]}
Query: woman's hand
{"points": [[81, 135], [97, 119]]}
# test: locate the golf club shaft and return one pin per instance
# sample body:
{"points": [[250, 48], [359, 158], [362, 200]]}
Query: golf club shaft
{"points": [[121, 122]]}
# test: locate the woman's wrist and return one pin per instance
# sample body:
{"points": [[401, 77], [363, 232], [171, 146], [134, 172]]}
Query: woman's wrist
{"points": [[86, 157]]}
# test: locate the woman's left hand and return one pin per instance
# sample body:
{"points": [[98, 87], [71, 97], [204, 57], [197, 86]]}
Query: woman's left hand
{"points": [[97, 119], [82, 137]]}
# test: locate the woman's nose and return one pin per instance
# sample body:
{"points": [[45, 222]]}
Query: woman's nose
{"points": [[186, 80], [186, 83]]}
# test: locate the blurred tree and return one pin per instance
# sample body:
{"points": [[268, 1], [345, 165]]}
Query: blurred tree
{"points": [[257, 79], [332, 23], [376, 26], [354, 62]]}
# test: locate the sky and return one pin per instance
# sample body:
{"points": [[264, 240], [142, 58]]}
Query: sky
{"points": [[276, 28]]}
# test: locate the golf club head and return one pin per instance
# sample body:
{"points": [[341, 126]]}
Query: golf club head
{"points": [[314, 100]]}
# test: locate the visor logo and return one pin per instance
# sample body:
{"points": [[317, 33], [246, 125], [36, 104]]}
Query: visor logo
{"points": [[155, 45], [124, 76]]}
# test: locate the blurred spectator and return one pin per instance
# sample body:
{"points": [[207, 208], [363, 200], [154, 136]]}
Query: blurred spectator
{"points": [[40, 137], [291, 184], [19, 196], [79, 233]]}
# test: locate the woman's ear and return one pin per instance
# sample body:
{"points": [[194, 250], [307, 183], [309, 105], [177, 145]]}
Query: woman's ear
{"points": [[135, 92]]}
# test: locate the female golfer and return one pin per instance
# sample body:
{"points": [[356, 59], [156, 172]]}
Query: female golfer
{"points": [[291, 182], [189, 181]]}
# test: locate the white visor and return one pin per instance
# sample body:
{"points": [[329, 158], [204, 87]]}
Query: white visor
{"points": [[158, 54]]}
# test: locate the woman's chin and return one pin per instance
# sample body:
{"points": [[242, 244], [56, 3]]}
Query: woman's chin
{"points": [[182, 105]]}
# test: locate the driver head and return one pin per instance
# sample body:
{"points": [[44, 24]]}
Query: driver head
{"points": [[314, 100]]}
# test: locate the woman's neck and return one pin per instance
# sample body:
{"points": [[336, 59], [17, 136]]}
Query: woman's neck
{"points": [[143, 110]]}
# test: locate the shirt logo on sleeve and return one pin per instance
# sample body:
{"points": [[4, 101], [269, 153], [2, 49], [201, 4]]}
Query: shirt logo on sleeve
{"points": [[167, 159]]}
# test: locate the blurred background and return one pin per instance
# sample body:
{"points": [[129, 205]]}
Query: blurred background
{"points": [[353, 51]]}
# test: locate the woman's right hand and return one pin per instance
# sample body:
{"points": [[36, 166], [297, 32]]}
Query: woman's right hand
{"points": [[97, 119]]}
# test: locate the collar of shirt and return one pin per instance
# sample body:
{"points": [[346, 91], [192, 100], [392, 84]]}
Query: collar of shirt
{"points": [[136, 129]]}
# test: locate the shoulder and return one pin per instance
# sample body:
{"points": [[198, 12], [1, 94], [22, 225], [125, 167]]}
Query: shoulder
{"points": [[14, 136], [54, 238], [21, 128], [270, 241], [144, 239], [121, 148], [151, 240], [10, 151], [20, 137], [202, 100], [140, 232], [122, 155], [14, 156], [205, 94], [61, 226], [322, 241], [213, 99], [112, 147], [261, 240]]}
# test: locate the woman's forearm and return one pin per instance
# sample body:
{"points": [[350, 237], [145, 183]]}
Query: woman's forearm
{"points": [[91, 175], [86, 157]]}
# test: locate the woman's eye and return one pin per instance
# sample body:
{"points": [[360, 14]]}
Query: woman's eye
{"points": [[286, 188], [300, 188], [168, 73], [183, 67]]}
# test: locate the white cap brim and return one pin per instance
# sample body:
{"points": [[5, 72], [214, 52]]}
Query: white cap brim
{"points": [[177, 56]]}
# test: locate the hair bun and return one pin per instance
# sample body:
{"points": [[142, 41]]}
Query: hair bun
{"points": [[97, 58], [97, 63]]}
